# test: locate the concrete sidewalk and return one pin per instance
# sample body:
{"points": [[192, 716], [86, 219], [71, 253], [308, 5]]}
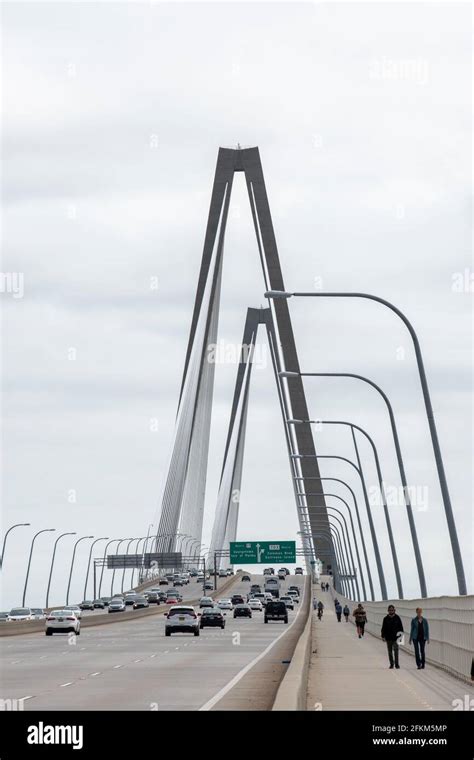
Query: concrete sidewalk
{"points": [[348, 673]]}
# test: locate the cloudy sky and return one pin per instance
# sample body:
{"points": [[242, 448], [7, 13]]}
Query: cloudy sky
{"points": [[112, 117]]}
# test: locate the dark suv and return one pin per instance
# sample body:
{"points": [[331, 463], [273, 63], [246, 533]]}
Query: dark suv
{"points": [[237, 599], [276, 611]]}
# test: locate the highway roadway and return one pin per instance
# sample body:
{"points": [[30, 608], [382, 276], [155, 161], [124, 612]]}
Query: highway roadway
{"points": [[132, 665]]}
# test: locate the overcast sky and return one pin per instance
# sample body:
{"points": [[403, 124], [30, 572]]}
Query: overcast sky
{"points": [[113, 115]]}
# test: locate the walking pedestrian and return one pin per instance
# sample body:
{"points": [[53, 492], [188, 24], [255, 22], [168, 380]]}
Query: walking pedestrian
{"points": [[419, 635], [360, 617], [346, 612], [315, 603], [392, 627], [338, 612]]}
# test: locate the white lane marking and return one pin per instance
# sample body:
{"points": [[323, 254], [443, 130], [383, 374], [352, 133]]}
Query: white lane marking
{"points": [[95, 674], [117, 666], [166, 651], [69, 683], [152, 655], [43, 656], [137, 661], [14, 662], [217, 697], [23, 699]]}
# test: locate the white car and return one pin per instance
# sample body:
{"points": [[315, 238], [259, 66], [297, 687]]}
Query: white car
{"points": [[289, 601], [181, 619], [206, 601], [255, 604], [20, 613], [294, 595], [225, 604], [75, 609], [62, 621]]}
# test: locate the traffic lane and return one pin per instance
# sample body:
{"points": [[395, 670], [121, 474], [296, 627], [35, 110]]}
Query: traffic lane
{"points": [[87, 674], [151, 671]]}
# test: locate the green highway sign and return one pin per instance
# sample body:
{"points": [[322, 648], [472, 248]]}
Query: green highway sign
{"points": [[262, 552]]}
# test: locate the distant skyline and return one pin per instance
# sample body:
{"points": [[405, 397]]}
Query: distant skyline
{"points": [[113, 116]]}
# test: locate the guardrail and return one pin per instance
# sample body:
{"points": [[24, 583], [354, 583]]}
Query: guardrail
{"points": [[451, 623], [88, 621]]}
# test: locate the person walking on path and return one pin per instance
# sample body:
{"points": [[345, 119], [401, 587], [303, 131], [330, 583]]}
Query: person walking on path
{"points": [[346, 612], [338, 612], [360, 617], [315, 603], [392, 627], [419, 635], [320, 610]]}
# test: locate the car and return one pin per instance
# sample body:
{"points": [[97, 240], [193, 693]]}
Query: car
{"points": [[294, 595], [20, 613], [130, 597], [62, 621], [222, 573], [38, 612], [212, 616], [246, 578], [206, 601], [162, 597], [294, 588], [208, 586], [287, 572], [276, 610], [225, 604], [299, 571], [242, 610], [173, 595], [229, 571], [200, 578], [193, 573], [182, 619], [3, 617], [152, 598], [98, 604], [237, 599], [261, 597], [163, 582], [255, 588], [117, 605], [87, 604], [288, 600], [267, 571], [281, 574], [106, 600], [140, 603], [255, 604], [178, 582], [173, 600], [75, 609]]}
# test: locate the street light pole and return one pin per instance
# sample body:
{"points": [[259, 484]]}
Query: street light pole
{"points": [[17, 525], [113, 572], [104, 538], [52, 563], [45, 530], [104, 560], [83, 538], [453, 536]]}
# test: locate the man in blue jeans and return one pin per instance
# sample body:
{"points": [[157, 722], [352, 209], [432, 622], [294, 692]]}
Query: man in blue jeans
{"points": [[419, 635]]}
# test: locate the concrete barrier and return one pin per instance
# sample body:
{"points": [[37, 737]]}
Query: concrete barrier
{"points": [[37, 626], [451, 622], [291, 694]]}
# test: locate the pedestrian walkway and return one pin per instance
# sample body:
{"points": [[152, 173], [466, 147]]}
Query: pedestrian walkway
{"points": [[348, 673]]}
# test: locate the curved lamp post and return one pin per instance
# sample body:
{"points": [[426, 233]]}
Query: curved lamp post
{"points": [[453, 536], [83, 538], [17, 525], [112, 541], [103, 538], [116, 553], [373, 534], [52, 563], [45, 530], [388, 523]]}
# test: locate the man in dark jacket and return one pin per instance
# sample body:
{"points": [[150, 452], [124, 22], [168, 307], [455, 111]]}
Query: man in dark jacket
{"points": [[392, 627], [419, 635]]}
